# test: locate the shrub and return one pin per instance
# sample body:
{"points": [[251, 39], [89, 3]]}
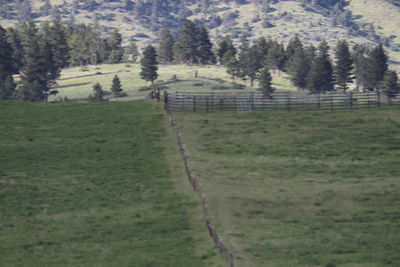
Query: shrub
{"points": [[198, 84]]}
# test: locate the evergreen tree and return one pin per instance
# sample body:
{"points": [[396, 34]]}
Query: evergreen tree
{"points": [[265, 83], [232, 64], [344, 65], [114, 44], [186, 47], [7, 88], [7, 65], [149, 64], [275, 57], [390, 84], [320, 76], [250, 62], [298, 68], [377, 66], [293, 46], [14, 39], [34, 71], [166, 48], [226, 46], [132, 53], [98, 93], [263, 47], [54, 35], [360, 65], [205, 46], [116, 88]]}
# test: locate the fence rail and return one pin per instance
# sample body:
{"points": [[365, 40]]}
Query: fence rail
{"points": [[289, 101]]}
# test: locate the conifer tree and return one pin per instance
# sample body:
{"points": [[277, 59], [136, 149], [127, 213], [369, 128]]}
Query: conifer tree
{"points": [[377, 66], [186, 47], [250, 62], [98, 93], [14, 39], [298, 68], [293, 45], [114, 43], [360, 65], [149, 64], [34, 71], [320, 76], [116, 88], [7, 65], [7, 87], [132, 53], [263, 46], [205, 46], [275, 57], [265, 83], [166, 48], [226, 45], [390, 84], [344, 65]]}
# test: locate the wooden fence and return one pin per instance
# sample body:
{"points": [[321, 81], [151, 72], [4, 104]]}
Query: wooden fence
{"points": [[289, 101]]}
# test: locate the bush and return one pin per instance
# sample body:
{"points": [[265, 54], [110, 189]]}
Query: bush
{"points": [[198, 84], [232, 86], [128, 66], [83, 69], [98, 73]]}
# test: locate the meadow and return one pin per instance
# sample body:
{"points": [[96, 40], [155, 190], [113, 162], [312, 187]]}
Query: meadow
{"points": [[77, 82], [98, 184], [301, 188]]}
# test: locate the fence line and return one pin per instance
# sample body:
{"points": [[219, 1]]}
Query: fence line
{"points": [[197, 187], [289, 101]]}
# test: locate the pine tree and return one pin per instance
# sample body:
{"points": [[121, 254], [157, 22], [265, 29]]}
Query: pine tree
{"points": [[226, 46], [166, 48], [390, 84], [298, 68], [132, 53], [293, 45], [98, 93], [250, 62], [34, 71], [320, 76], [265, 83], [149, 64], [116, 88], [114, 44], [360, 65], [263, 46], [7, 64], [377, 66], [205, 46], [275, 57], [344, 65], [14, 39], [7, 88], [186, 47]]}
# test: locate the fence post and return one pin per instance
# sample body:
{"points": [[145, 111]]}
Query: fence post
{"points": [[367, 100], [351, 100], [207, 104], [378, 94], [288, 101], [331, 102], [318, 101], [165, 99], [194, 103], [158, 94], [252, 101]]}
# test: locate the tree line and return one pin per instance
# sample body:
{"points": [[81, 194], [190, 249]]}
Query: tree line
{"points": [[39, 54]]}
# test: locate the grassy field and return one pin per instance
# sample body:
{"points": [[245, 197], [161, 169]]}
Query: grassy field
{"points": [[75, 83], [95, 185], [301, 188]]}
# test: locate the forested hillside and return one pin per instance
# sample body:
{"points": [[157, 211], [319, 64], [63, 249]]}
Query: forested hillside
{"points": [[141, 21]]}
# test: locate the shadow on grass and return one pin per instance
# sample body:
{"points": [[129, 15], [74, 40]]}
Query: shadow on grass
{"points": [[87, 75], [394, 62], [72, 85]]}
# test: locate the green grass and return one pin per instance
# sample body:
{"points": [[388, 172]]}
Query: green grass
{"points": [[301, 188], [95, 185], [75, 83]]}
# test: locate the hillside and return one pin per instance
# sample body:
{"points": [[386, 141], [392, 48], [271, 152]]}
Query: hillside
{"points": [[360, 21]]}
